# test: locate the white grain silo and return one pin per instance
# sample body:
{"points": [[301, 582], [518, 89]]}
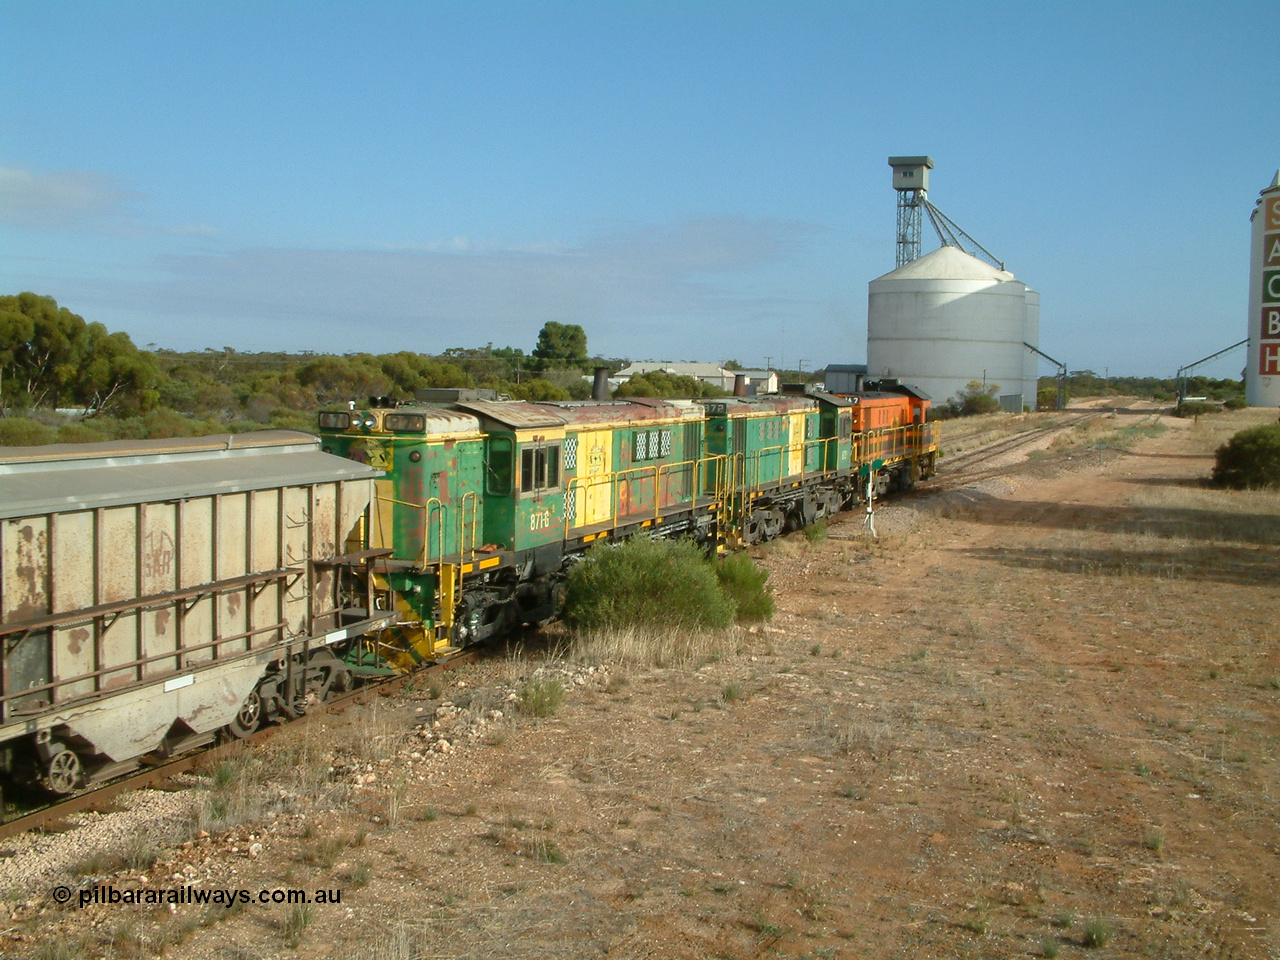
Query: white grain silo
{"points": [[1030, 362], [948, 318], [1262, 370]]}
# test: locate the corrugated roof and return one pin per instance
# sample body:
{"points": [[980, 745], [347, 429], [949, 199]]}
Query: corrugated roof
{"points": [[834, 399], [679, 368], [518, 414], [619, 411], [947, 263], [67, 477], [754, 406]]}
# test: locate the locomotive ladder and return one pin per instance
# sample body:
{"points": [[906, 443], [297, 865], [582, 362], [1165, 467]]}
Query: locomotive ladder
{"points": [[450, 589], [450, 580]]}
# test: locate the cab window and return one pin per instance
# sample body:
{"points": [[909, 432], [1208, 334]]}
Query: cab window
{"points": [[498, 475], [539, 468]]}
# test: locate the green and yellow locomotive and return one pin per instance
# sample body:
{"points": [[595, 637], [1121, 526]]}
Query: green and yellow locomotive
{"points": [[485, 503]]}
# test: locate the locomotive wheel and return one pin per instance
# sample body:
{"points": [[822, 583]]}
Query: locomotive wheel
{"points": [[248, 718], [63, 772]]}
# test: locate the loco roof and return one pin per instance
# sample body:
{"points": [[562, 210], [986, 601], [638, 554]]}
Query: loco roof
{"points": [[524, 415], [755, 406]]}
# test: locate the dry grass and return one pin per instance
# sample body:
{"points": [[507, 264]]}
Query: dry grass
{"points": [[965, 433], [235, 795], [854, 735], [637, 646], [376, 737], [1114, 433], [402, 941], [1210, 432], [1206, 513]]}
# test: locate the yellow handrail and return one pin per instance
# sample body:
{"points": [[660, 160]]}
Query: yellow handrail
{"points": [[614, 479], [430, 507], [752, 478], [469, 497]]}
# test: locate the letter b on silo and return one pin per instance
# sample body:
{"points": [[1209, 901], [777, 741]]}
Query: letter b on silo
{"points": [[1270, 322]]}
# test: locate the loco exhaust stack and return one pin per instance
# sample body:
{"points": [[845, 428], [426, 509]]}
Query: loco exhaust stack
{"points": [[600, 386]]}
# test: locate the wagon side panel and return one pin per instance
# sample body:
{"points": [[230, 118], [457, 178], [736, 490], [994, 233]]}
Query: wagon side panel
{"points": [[158, 575], [73, 565], [233, 605], [118, 574], [196, 550], [264, 554], [297, 548]]}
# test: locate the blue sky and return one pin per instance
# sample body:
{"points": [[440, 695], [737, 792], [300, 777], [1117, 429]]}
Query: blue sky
{"points": [[690, 180]]}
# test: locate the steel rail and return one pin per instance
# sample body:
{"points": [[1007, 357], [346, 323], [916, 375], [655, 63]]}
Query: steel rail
{"points": [[98, 797]]}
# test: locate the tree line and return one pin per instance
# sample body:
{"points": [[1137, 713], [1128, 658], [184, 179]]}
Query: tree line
{"points": [[64, 379], [53, 360]]}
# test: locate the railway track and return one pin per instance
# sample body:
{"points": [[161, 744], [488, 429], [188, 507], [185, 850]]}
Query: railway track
{"points": [[99, 796], [975, 465]]}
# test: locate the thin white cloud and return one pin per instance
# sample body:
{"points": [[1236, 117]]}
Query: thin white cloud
{"points": [[57, 199], [191, 230], [626, 289]]}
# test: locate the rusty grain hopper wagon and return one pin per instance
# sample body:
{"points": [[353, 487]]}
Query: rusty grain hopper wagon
{"points": [[155, 593]]}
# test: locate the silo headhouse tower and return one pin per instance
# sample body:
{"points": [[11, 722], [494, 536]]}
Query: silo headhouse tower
{"points": [[945, 319]]}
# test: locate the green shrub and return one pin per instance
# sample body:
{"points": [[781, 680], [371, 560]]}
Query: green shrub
{"points": [[1097, 933], [816, 532], [167, 423], [746, 583], [1194, 408], [1236, 403], [1250, 459], [541, 698], [646, 583], [976, 398], [21, 432], [82, 433]]}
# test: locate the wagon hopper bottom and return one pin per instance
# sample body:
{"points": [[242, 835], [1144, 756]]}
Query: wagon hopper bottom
{"points": [[155, 593]]}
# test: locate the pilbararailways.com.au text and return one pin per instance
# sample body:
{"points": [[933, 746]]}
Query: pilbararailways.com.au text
{"points": [[101, 894]]}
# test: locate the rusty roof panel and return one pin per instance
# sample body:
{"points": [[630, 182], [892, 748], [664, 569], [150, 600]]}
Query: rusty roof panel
{"points": [[758, 406], [524, 415], [517, 414], [835, 399], [617, 411]]}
